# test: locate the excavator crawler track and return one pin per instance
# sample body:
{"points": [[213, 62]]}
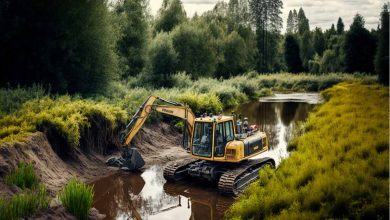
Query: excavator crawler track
{"points": [[177, 170], [235, 180]]}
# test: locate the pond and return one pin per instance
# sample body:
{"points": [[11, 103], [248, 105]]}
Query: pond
{"points": [[148, 196]]}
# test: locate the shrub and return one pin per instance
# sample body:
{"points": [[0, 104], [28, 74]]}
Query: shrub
{"points": [[77, 198], [68, 117], [23, 205], [12, 99], [23, 176]]}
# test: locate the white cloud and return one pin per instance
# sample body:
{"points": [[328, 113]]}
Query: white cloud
{"points": [[321, 13]]}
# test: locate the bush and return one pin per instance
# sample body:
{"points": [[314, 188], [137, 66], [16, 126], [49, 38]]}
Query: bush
{"points": [[77, 198], [23, 176], [12, 99], [23, 205], [68, 117], [340, 168]]}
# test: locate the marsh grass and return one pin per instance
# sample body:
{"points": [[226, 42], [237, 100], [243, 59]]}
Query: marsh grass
{"points": [[77, 198], [340, 166], [23, 205], [23, 177]]}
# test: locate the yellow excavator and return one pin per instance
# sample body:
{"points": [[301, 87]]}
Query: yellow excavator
{"points": [[220, 146]]}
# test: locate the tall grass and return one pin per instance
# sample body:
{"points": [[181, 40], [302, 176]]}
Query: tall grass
{"points": [[340, 168], [67, 116], [24, 204], [23, 176], [77, 198]]}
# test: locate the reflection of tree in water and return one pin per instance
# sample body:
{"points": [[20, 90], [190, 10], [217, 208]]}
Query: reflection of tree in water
{"points": [[289, 110], [270, 116]]}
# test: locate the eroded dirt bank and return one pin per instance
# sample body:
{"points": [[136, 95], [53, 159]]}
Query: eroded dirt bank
{"points": [[158, 143]]}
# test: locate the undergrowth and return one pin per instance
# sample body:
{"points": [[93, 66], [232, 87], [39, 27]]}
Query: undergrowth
{"points": [[69, 117], [340, 168], [77, 198], [32, 197], [24, 204], [23, 176]]}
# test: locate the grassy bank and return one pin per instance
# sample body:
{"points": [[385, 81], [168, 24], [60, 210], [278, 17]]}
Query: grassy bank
{"points": [[32, 197], [23, 111], [340, 168]]}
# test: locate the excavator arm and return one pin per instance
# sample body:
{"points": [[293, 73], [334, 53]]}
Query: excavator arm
{"points": [[175, 109]]}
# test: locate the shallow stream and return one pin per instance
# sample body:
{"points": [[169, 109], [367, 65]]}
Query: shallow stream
{"points": [[148, 196]]}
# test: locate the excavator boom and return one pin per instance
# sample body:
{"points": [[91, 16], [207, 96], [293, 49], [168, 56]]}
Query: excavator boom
{"points": [[131, 159]]}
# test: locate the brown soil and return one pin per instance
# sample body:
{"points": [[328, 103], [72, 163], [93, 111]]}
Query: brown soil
{"points": [[157, 143]]}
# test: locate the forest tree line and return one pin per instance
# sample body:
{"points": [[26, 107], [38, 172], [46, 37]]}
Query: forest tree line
{"points": [[81, 46]]}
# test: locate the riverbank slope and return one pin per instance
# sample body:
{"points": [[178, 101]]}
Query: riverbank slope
{"points": [[340, 166]]}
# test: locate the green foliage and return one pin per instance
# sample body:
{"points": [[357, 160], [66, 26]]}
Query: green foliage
{"points": [[12, 99], [196, 54], [68, 117], [340, 167], [319, 41], [292, 54], [77, 198], [67, 45], [359, 39], [170, 15], [24, 204], [382, 54], [163, 61], [131, 18], [340, 26], [303, 22], [23, 176]]}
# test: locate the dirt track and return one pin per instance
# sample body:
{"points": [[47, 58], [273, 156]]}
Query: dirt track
{"points": [[158, 144]]}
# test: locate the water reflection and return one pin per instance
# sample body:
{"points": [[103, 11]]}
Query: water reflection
{"points": [[277, 119], [148, 196]]}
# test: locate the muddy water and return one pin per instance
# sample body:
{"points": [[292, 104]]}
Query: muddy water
{"points": [[148, 196]]}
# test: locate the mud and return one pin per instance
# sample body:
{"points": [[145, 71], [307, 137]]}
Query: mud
{"points": [[158, 144]]}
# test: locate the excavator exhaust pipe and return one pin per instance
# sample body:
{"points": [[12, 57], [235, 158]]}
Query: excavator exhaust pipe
{"points": [[130, 160]]}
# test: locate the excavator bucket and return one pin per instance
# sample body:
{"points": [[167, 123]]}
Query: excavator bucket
{"points": [[130, 160]]}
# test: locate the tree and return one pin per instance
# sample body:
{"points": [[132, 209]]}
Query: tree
{"points": [[195, 51], [291, 54], [170, 15], [382, 55], [267, 20], [295, 19], [319, 41], [131, 45], [238, 13], [303, 22], [307, 49], [235, 56], [340, 26], [359, 48], [163, 61], [65, 44], [290, 22]]}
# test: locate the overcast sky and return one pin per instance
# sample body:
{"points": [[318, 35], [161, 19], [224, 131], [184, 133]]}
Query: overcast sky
{"points": [[321, 13]]}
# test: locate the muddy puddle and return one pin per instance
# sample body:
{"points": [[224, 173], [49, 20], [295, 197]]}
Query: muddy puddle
{"points": [[148, 196]]}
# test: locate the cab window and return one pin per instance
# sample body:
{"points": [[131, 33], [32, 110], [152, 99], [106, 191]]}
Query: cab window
{"points": [[203, 135], [223, 134]]}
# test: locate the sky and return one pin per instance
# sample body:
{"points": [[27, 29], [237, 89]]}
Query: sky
{"points": [[321, 13]]}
